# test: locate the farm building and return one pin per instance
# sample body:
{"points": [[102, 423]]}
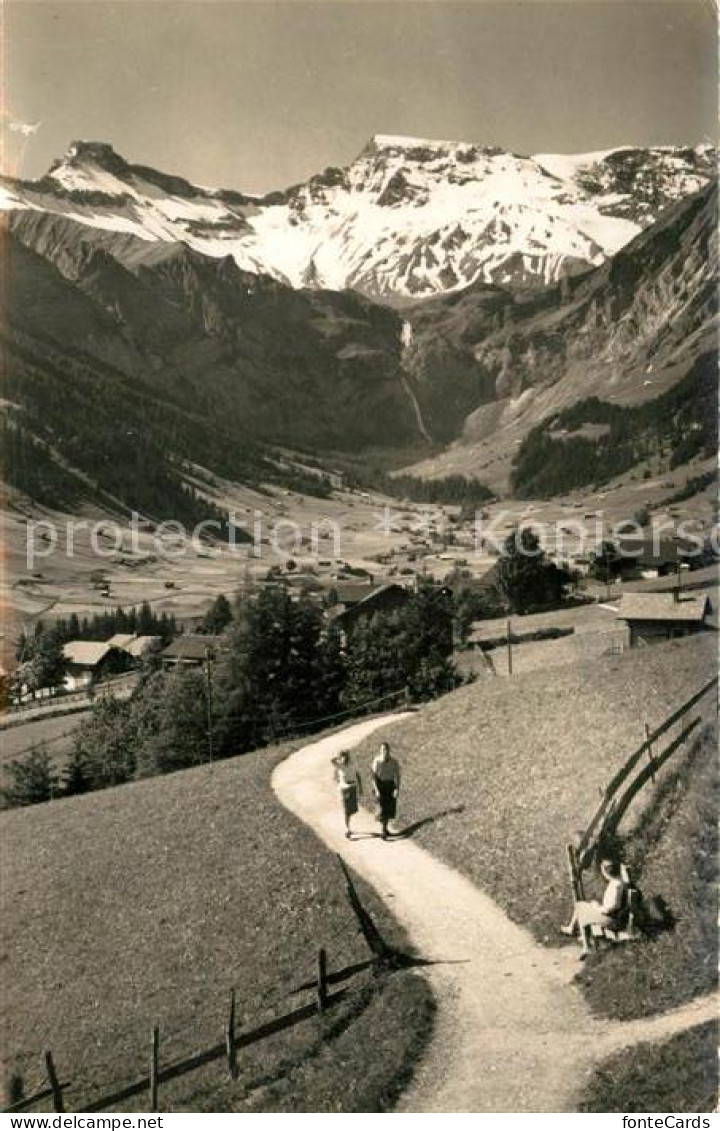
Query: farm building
{"points": [[662, 616], [649, 559], [89, 661], [133, 645], [350, 593], [121, 640], [484, 583], [189, 651], [368, 601]]}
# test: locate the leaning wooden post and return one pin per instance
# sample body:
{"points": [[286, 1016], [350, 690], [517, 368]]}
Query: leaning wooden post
{"points": [[322, 980], [154, 1059], [509, 647], [651, 756], [230, 1039], [55, 1087]]}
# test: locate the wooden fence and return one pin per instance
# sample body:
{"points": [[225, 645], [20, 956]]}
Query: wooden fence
{"points": [[324, 996], [624, 787]]}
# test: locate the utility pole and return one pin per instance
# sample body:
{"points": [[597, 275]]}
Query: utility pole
{"points": [[209, 701]]}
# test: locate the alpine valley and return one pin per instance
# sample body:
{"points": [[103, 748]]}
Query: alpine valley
{"points": [[443, 304]]}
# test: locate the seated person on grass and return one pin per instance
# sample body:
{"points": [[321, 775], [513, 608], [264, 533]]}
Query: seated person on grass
{"points": [[604, 913]]}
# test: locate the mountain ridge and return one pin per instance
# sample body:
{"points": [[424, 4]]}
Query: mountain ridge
{"points": [[407, 218], [222, 347]]}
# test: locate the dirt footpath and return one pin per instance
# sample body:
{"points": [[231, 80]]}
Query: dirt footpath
{"points": [[512, 1033]]}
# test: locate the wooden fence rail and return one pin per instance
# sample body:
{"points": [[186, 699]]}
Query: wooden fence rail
{"points": [[608, 805], [647, 773], [37, 1097]]}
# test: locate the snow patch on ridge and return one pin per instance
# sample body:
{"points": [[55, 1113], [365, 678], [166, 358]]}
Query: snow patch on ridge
{"points": [[410, 216]]}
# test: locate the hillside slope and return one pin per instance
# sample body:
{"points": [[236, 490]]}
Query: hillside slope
{"points": [[680, 1074], [500, 776], [145, 903], [503, 1002]]}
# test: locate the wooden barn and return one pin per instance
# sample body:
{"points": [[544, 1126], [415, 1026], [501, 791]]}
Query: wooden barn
{"points": [[189, 651], [89, 661], [365, 601], [661, 616]]}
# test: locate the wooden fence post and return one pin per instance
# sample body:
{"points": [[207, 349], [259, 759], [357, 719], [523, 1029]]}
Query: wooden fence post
{"points": [[578, 889], [575, 877], [322, 980], [55, 1087], [154, 1059], [230, 1039], [509, 647], [651, 757], [15, 1089]]}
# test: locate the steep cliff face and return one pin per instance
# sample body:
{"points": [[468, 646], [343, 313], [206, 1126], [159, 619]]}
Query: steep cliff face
{"points": [[299, 367]]}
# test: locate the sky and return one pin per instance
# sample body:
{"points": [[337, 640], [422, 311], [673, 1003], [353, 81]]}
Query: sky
{"points": [[259, 94]]}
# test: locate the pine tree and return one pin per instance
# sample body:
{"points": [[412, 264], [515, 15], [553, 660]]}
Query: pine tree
{"points": [[76, 777], [218, 616], [525, 578], [106, 744], [46, 664], [29, 780], [170, 721], [146, 620]]}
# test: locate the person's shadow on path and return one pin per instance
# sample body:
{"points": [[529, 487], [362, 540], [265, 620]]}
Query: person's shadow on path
{"points": [[430, 820], [408, 831]]}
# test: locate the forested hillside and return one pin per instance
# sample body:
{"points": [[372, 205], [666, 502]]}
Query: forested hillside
{"points": [[593, 441]]}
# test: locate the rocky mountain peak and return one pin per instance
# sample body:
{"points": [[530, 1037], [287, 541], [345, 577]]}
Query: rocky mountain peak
{"points": [[409, 217]]}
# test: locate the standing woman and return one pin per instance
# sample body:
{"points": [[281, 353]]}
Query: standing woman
{"points": [[349, 784], [386, 781]]}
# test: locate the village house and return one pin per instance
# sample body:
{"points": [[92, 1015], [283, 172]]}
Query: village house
{"points": [[358, 602], [136, 647], [648, 559], [90, 661], [652, 617], [189, 651]]}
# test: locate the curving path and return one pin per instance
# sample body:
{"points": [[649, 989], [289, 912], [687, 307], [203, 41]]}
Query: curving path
{"points": [[512, 1033]]}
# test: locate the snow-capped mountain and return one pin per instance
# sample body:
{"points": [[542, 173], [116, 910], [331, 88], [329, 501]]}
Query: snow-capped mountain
{"points": [[408, 217]]}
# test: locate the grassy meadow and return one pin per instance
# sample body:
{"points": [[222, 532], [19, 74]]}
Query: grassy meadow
{"points": [[674, 851], [501, 775], [678, 1075], [146, 903]]}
